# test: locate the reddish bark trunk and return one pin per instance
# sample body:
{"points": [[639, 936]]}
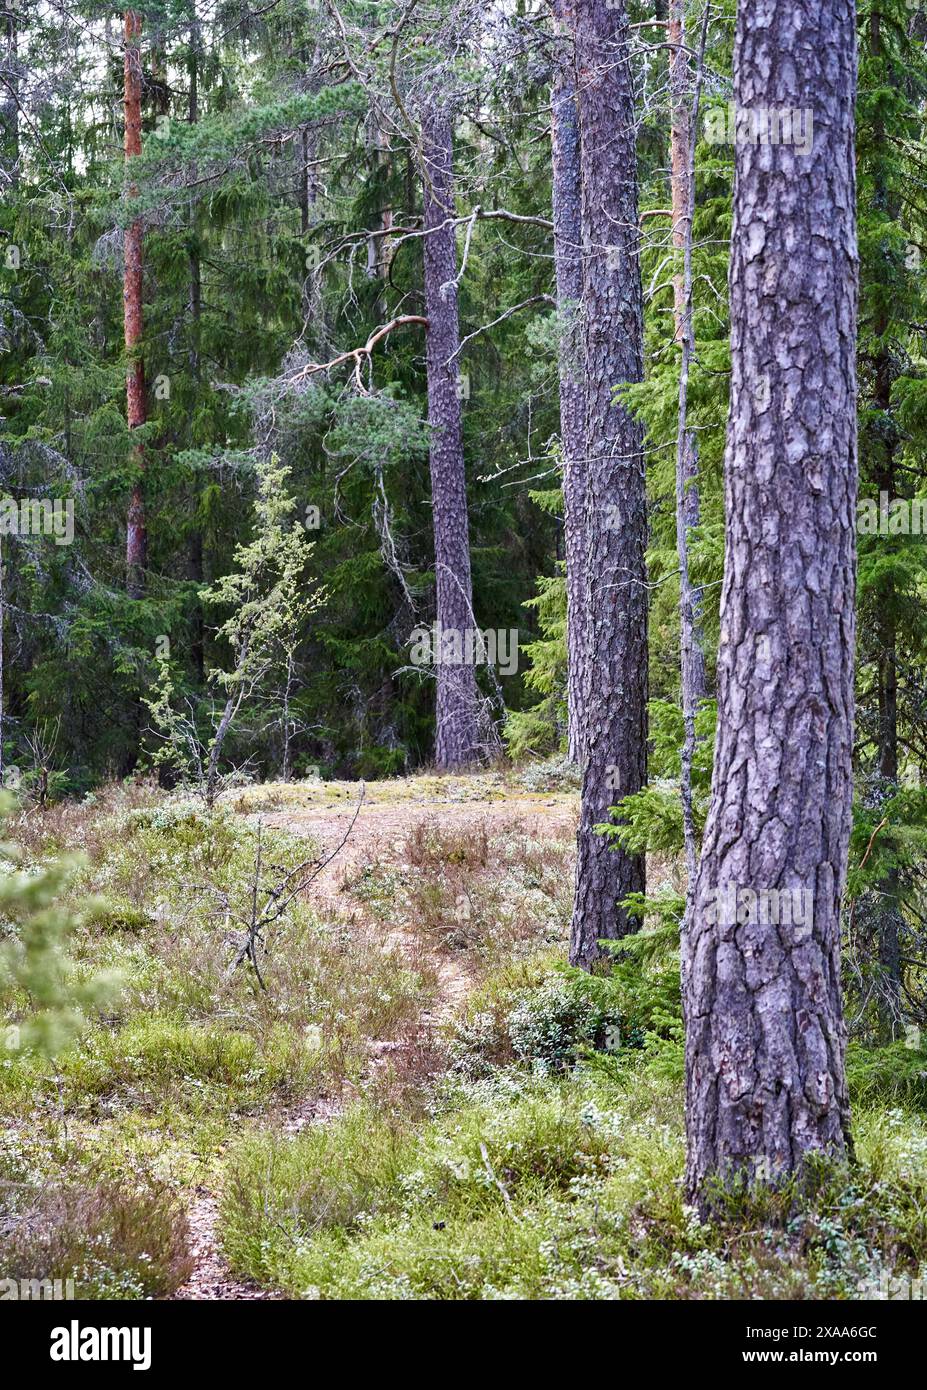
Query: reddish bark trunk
{"points": [[136, 533]]}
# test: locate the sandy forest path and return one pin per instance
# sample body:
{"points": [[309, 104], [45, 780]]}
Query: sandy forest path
{"points": [[383, 821], [390, 815], [391, 811]]}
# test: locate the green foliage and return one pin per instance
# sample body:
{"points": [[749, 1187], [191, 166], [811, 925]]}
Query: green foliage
{"points": [[42, 984], [651, 819], [541, 728], [895, 1075], [534, 1187], [270, 602], [268, 599], [550, 1018]]}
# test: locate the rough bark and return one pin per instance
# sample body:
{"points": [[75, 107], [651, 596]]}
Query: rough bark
{"points": [[567, 216], [457, 742], [612, 644], [887, 907], [683, 202], [765, 1082], [195, 310], [136, 532], [692, 656]]}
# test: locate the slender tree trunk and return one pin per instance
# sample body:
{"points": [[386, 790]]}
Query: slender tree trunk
{"points": [[568, 233], [613, 642], [887, 898], [287, 723], [9, 110], [378, 246], [888, 919], [136, 533], [765, 1083], [457, 742], [2, 672], [195, 308], [692, 657]]}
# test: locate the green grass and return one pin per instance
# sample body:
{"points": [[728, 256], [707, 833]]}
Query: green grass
{"points": [[365, 1142], [537, 1188], [187, 1055]]}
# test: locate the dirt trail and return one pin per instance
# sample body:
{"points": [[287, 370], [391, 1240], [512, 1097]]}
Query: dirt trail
{"points": [[382, 828], [212, 1279], [379, 836]]}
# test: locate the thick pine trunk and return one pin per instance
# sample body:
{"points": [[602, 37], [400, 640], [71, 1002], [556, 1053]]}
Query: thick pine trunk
{"points": [[136, 533], [612, 643], [457, 742], [568, 232], [765, 1082]]}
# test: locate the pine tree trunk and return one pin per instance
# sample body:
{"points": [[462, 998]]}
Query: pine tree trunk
{"points": [[458, 702], [692, 656], [765, 1082], [378, 246], [195, 310], [612, 645], [887, 908], [887, 903], [136, 533], [888, 893], [568, 232]]}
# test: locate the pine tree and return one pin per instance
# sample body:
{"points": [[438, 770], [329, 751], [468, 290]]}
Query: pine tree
{"points": [[765, 1083], [613, 653]]}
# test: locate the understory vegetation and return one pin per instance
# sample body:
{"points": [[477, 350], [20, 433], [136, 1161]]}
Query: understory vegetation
{"points": [[422, 1101]]}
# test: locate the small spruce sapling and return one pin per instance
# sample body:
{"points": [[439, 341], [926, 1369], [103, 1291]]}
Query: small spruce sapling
{"points": [[270, 599]]}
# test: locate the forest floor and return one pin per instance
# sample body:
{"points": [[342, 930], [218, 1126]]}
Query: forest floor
{"points": [[375, 831], [415, 1098], [428, 883], [360, 830]]}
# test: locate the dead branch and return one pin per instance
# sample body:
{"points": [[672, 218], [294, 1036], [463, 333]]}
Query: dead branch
{"points": [[357, 355]]}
